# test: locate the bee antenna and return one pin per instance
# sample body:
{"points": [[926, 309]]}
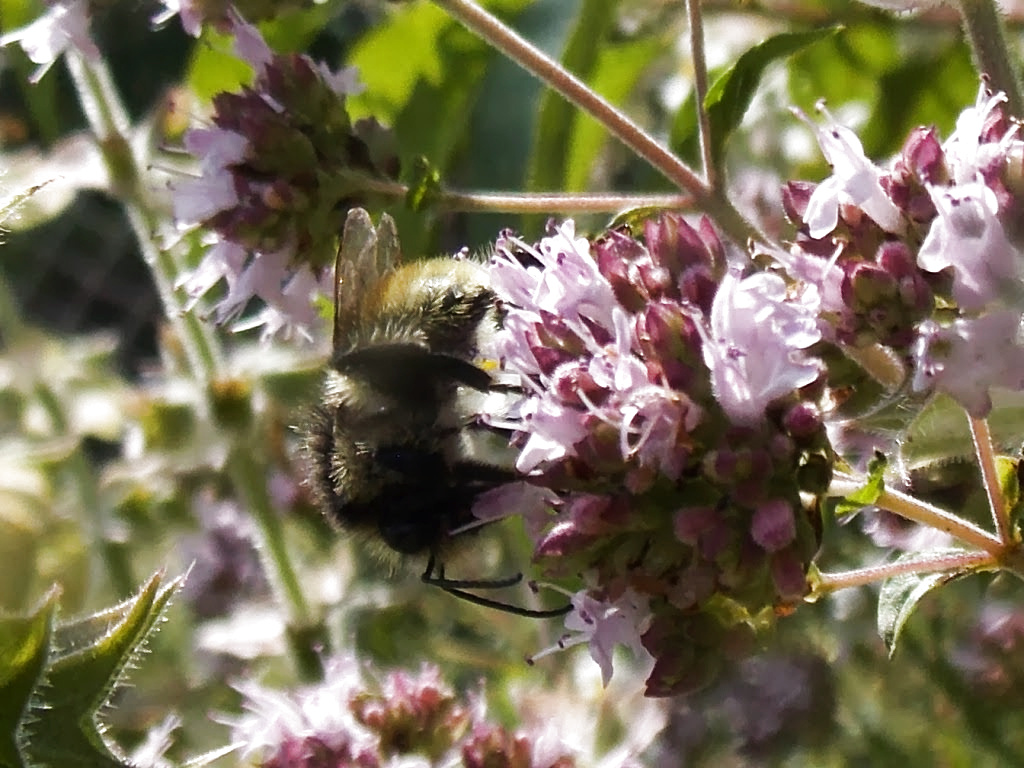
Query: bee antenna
{"points": [[457, 588]]}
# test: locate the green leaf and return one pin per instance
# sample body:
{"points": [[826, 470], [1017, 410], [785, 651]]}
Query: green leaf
{"points": [[619, 68], [90, 658], [394, 56], [940, 432], [729, 97], [845, 67], [425, 185], [924, 90], [422, 72], [868, 493], [24, 649], [557, 117], [901, 594], [635, 218], [215, 67]]}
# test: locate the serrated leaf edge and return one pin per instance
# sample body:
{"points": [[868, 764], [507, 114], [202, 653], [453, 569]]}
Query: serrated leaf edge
{"points": [[50, 601], [155, 608], [923, 584]]}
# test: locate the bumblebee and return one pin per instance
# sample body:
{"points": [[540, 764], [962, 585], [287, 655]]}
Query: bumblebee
{"points": [[397, 450]]}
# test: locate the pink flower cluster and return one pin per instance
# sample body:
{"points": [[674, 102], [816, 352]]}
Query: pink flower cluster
{"points": [[925, 256], [277, 177], [404, 719], [668, 414]]}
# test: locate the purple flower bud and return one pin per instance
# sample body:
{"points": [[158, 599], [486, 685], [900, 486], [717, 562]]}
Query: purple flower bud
{"points": [[698, 285], [672, 344], [895, 258], [867, 285], [923, 156], [718, 538], [677, 246], [772, 526], [789, 574], [563, 540], [619, 258], [491, 745], [689, 523], [802, 421], [795, 197], [592, 514]]}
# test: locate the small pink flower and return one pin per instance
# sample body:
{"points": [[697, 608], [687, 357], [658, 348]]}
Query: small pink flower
{"points": [[531, 502], [283, 725], [196, 200], [190, 11], [603, 625], [64, 26], [249, 43], [968, 236], [972, 149], [224, 260], [855, 180], [553, 430], [971, 356], [755, 349]]}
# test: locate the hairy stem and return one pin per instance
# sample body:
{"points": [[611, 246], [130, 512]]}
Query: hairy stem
{"points": [[526, 202], [307, 637], [984, 28], [921, 512], [109, 123], [832, 582], [700, 87], [990, 477]]}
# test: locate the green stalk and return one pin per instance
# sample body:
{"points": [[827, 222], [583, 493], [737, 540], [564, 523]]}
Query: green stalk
{"points": [[549, 203], [985, 30], [307, 637], [983, 449], [921, 512], [826, 583], [700, 89], [109, 123]]}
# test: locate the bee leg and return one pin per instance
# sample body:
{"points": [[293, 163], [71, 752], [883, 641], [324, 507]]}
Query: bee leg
{"points": [[440, 581], [457, 588], [505, 389]]}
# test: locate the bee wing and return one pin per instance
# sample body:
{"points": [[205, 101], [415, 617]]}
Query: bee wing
{"points": [[364, 257], [389, 253]]}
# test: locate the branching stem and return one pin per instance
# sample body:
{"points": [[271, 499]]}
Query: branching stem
{"points": [[832, 582], [700, 88], [565, 203], [535, 61], [990, 478], [927, 514]]}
